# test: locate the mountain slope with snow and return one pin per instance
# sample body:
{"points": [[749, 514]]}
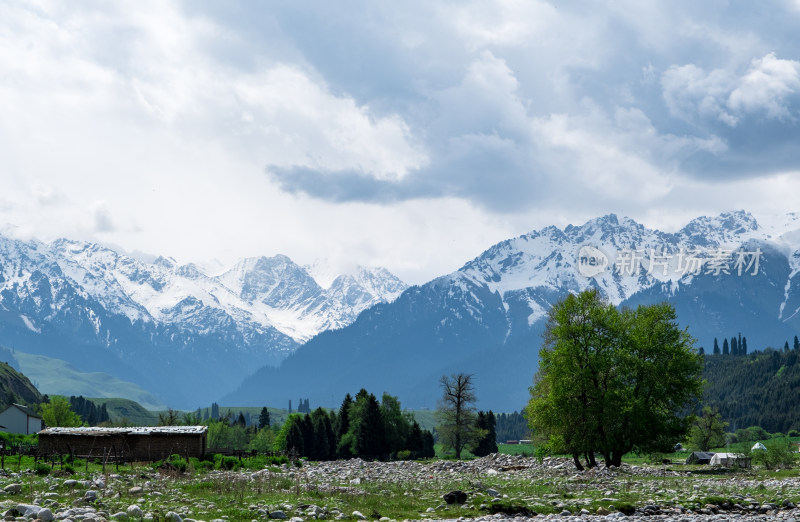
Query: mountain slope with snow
{"points": [[105, 311], [724, 274]]}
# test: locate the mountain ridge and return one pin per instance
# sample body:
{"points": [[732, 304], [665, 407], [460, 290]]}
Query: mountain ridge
{"points": [[487, 317], [170, 328]]}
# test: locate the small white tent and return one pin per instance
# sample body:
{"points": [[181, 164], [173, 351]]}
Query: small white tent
{"points": [[723, 459], [758, 447]]}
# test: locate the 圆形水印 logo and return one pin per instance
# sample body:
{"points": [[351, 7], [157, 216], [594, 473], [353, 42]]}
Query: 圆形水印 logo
{"points": [[591, 261]]}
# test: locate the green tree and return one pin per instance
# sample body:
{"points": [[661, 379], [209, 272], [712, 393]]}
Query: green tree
{"points": [[428, 445], [344, 446], [263, 419], [415, 443], [366, 423], [294, 440], [396, 424], [456, 413], [169, 418], [263, 440], [612, 381], [57, 413], [796, 344], [487, 443], [190, 419], [708, 430], [725, 349]]}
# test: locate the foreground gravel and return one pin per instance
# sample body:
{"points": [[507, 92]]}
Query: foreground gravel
{"points": [[152, 496]]}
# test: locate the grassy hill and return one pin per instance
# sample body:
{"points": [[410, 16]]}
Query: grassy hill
{"points": [[16, 388], [128, 411], [57, 377]]}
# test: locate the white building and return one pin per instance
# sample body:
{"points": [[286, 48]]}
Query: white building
{"points": [[20, 419]]}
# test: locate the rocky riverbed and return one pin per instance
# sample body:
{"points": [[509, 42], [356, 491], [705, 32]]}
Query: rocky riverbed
{"points": [[493, 488]]}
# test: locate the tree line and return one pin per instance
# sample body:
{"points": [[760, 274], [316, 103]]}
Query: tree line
{"points": [[757, 390], [362, 427]]}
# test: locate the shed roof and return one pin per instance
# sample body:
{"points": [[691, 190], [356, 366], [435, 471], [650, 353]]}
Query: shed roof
{"points": [[24, 409], [134, 430]]}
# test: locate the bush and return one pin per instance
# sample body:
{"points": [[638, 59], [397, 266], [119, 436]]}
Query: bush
{"points": [[41, 469], [226, 463], [404, 455], [201, 465], [178, 463], [794, 433], [779, 453]]}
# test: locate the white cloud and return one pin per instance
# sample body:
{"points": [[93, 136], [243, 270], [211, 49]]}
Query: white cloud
{"points": [[424, 130], [764, 88]]}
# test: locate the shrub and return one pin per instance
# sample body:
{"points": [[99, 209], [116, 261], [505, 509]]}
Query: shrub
{"points": [[404, 455], [178, 463], [41, 469], [201, 465], [794, 433], [227, 463], [780, 453]]}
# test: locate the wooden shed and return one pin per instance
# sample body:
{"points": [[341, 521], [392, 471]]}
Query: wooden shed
{"points": [[135, 444]]}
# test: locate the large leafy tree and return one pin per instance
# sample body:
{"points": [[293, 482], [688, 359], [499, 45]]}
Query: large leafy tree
{"points": [[455, 413], [612, 381], [708, 430]]}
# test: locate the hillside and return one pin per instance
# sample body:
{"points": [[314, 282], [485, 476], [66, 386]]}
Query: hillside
{"points": [[58, 377], [127, 411], [16, 388], [759, 389]]}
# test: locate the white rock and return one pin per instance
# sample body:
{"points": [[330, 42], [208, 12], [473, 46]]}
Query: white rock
{"points": [[135, 511]]}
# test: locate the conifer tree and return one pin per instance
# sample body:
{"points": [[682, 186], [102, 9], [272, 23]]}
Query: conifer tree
{"points": [[734, 346], [343, 418], [487, 443], [369, 430], [428, 448], [414, 443], [796, 344], [263, 419], [701, 351], [743, 347], [294, 435], [716, 347], [786, 346], [725, 348]]}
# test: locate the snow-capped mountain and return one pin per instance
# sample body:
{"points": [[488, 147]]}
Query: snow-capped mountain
{"points": [[724, 275], [106, 311]]}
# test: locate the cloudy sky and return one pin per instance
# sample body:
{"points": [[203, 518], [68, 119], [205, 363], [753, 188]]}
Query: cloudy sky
{"points": [[411, 135]]}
